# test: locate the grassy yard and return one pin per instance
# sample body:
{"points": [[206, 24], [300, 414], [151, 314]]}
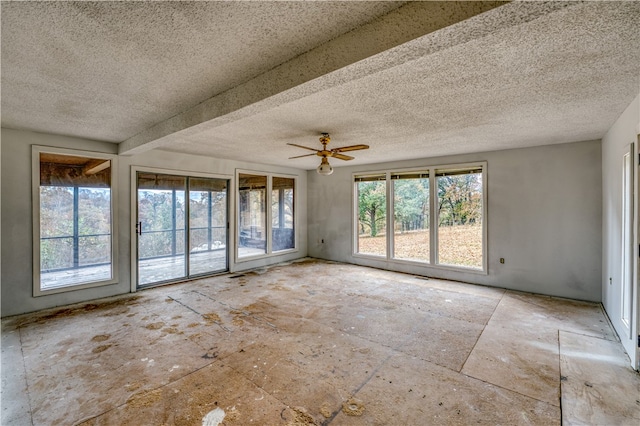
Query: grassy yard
{"points": [[458, 245]]}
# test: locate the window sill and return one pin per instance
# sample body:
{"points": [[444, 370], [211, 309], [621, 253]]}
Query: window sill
{"points": [[425, 265], [266, 255], [37, 292]]}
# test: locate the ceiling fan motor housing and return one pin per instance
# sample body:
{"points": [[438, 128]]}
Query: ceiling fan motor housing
{"points": [[325, 139]]}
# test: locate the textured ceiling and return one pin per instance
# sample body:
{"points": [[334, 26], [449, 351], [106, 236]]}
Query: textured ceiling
{"points": [[239, 80], [109, 70]]}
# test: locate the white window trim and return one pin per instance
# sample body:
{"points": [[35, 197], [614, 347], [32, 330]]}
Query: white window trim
{"points": [[268, 218], [36, 150], [431, 169]]}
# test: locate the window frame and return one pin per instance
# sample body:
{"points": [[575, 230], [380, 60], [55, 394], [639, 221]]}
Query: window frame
{"points": [[283, 213], [36, 150], [392, 221], [356, 209], [433, 217], [268, 216]]}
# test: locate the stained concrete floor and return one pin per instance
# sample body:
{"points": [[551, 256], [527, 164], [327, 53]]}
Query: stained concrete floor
{"points": [[315, 342]]}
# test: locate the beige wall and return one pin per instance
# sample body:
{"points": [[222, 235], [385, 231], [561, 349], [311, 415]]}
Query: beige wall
{"points": [[544, 218], [16, 230]]}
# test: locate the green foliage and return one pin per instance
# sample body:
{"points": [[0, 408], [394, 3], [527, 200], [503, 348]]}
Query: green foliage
{"points": [[199, 218], [162, 237], [57, 226], [460, 199], [155, 211], [94, 211], [56, 211], [411, 204], [372, 206], [459, 214]]}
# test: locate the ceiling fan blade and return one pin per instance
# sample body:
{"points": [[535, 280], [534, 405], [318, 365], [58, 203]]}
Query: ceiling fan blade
{"points": [[341, 156], [300, 156], [302, 146], [350, 148]]}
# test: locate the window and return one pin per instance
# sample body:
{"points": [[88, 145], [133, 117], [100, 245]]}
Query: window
{"points": [[372, 214], [282, 230], [253, 220], [263, 231], [411, 236], [460, 217], [73, 220], [444, 230]]}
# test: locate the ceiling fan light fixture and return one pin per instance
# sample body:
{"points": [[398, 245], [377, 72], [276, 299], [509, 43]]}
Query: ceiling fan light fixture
{"points": [[324, 168]]}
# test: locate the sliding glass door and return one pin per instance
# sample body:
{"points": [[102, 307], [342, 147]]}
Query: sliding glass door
{"points": [[167, 223]]}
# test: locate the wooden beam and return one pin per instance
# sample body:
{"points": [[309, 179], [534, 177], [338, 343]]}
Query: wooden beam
{"points": [[96, 167]]}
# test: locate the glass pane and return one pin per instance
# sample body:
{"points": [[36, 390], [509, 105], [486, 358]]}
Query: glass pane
{"points": [[411, 219], [252, 219], [460, 219], [56, 228], [207, 225], [94, 226], [372, 211], [161, 212], [282, 228], [75, 220]]}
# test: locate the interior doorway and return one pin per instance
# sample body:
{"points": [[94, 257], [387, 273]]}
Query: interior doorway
{"points": [[626, 303], [181, 227], [628, 298]]}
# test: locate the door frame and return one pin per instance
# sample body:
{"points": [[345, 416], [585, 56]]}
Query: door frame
{"points": [[628, 239], [133, 236], [634, 323], [630, 337]]}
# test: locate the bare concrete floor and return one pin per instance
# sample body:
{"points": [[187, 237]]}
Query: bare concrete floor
{"points": [[315, 342]]}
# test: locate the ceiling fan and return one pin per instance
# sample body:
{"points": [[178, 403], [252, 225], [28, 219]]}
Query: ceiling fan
{"points": [[325, 168]]}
